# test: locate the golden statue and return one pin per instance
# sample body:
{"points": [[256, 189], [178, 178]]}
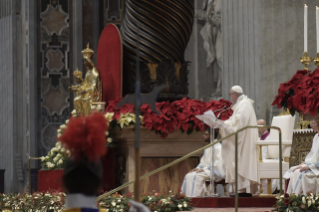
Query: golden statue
{"points": [[90, 89]]}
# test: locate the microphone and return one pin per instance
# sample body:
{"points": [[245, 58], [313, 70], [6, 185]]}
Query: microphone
{"points": [[223, 111], [220, 109]]}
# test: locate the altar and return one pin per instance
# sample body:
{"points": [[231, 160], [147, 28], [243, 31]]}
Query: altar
{"points": [[156, 152]]}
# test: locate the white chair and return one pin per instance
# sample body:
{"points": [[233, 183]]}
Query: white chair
{"points": [[269, 168]]}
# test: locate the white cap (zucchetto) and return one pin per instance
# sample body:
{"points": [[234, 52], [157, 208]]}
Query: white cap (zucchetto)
{"points": [[237, 89]]}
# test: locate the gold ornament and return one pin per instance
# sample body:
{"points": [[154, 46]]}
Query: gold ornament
{"points": [[88, 52], [90, 90], [77, 73]]}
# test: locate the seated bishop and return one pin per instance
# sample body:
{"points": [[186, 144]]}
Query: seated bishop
{"points": [[304, 178], [194, 181]]}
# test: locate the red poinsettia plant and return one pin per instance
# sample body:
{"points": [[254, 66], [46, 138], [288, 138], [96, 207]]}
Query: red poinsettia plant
{"points": [[179, 114], [299, 93]]}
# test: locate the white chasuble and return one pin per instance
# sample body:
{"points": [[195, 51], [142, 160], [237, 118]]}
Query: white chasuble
{"points": [[303, 182], [194, 182], [243, 115]]}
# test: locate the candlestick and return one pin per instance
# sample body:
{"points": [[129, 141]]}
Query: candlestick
{"points": [[306, 60], [316, 60], [317, 27], [305, 28]]}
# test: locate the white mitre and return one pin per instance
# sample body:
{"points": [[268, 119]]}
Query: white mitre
{"points": [[237, 89]]}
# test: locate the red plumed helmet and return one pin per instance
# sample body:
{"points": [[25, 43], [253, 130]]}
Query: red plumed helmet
{"points": [[85, 137]]}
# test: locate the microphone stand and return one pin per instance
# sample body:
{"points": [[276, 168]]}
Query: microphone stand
{"points": [[212, 137]]}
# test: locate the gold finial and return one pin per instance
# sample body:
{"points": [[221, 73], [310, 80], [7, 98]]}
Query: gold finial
{"points": [[306, 60], [77, 73], [88, 52], [285, 112]]}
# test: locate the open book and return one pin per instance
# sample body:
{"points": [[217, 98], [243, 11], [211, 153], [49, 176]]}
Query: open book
{"points": [[211, 120]]}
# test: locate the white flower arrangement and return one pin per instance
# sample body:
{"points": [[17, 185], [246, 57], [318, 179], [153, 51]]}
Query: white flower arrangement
{"points": [[55, 158]]}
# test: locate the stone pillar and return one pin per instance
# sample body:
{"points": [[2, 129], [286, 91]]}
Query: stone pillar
{"points": [[241, 51], [12, 95], [77, 32], [33, 80]]}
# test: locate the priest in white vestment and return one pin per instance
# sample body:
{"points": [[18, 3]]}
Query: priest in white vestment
{"points": [[305, 177], [194, 181], [243, 115]]}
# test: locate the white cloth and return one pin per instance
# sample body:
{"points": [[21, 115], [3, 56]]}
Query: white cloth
{"points": [[80, 201], [302, 182], [194, 183], [243, 115]]}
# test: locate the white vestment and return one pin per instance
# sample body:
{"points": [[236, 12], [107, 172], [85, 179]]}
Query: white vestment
{"points": [[194, 183], [243, 115], [303, 182]]}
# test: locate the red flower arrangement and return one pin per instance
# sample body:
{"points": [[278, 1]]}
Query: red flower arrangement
{"points": [[179, 114], [300, 93]]}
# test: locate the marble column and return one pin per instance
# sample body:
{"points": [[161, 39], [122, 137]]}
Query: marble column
{"points": [[240, 31], [12, 95], [77, 32], [32, 78]]}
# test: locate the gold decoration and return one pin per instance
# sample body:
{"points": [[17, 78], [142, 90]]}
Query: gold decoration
{"points": [[302, 124], [316, 60], [178, 66], [90, 90], [88, 52], [152, 67], [77, 73], [306, 60], [285, 112], [301, 146]]}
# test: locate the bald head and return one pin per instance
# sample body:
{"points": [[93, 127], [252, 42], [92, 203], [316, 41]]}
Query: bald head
{"points": [[261, 131]]}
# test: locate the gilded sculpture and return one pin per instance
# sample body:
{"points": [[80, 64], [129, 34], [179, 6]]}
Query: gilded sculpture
{"points": [[88, 90]]}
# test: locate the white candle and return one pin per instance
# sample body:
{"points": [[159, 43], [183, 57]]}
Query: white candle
{"points": [[317, 27], [305, 28]]}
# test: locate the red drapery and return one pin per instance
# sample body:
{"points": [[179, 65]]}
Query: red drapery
{"points": [[50, 180]]}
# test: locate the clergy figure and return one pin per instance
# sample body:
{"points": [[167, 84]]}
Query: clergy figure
{"points": [[243, 115], [305, 177], [263, 135], [194, 181]]}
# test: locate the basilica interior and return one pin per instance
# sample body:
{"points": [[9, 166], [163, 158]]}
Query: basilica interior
{"points": [[185, 54]]}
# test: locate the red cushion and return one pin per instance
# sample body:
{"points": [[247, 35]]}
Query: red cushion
{"points": [[109, 62]]}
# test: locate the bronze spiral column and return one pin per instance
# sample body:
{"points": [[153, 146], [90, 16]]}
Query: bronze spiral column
{"points": [[164, 28]]}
